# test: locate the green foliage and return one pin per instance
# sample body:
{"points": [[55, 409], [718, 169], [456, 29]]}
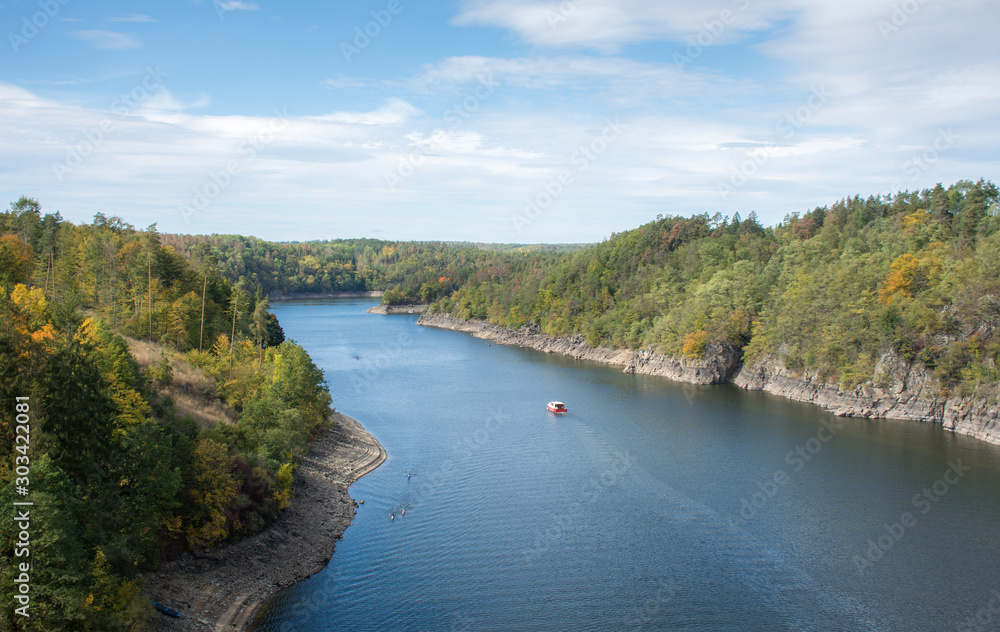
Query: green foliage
{"points": [[828, 292], [118, 480]]}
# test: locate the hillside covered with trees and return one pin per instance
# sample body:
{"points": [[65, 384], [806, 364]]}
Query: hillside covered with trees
{"points": [[118, 475], [828, 291]]}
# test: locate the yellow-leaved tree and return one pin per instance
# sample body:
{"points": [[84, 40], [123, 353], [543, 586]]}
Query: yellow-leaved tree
{"points": [[215, 488]]}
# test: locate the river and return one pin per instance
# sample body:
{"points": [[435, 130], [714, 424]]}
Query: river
{"points": [[651, 505]]}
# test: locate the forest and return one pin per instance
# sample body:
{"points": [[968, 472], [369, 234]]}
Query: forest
{"points": [[120, 476], [407, 272], [124, 473], [827, 291]]}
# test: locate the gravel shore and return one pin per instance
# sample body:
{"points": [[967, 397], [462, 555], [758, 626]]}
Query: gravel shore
{"points": [[222, 589]]}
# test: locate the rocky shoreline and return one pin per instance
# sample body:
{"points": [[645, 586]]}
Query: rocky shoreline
{"points": [[720, 363], [222, 589], [906, 392], [398, 309]]}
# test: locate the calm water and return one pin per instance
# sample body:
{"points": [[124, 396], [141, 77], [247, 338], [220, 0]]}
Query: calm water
{"points": [[650, 506]]}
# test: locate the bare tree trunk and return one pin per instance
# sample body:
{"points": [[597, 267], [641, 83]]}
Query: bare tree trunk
{"points": [[48, 268], [149, 266], [201, 333], [232, 340]]}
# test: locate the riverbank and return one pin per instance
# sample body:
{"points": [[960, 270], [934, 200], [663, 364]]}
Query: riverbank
{"points": [[221, 590], [905, 391], [720, 364], [398, 309], [274, 296]]}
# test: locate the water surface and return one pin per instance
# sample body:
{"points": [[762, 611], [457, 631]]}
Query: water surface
{"points": [[650, 506]]}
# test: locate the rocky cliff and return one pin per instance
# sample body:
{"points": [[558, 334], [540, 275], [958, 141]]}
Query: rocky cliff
{"points": [[398, 309], [720, 365], [901, 390]]}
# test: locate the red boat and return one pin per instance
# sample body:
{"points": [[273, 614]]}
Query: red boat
{"points": [[557, 407]]}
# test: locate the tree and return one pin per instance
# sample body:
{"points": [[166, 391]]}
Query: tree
{"points": [[75, 411], [26, 214], [234, 306], [973, 211], [207, 261], [259, 327], [15, 260], [151, 239], [214, 489], [939, 204], [275, 334]]}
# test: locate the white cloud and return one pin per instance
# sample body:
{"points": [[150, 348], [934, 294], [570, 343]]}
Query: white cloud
{"points": [[131, 17], [686, 129], [108, 40], [608, 24], [235, 5], [343, 82], [394, 112]]}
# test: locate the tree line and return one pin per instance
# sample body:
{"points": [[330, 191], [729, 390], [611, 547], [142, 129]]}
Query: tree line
{"points": [[407, 272]]}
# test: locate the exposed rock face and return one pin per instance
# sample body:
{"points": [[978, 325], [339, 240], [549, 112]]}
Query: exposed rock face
{"points": [[398, 309], [720, 364], [901, 390]]}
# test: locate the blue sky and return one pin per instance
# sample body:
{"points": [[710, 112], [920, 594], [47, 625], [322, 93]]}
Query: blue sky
{"points": [[487, 120]]}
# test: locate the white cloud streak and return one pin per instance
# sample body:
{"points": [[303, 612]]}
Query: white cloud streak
{"points": [[887, 96], [107, 40]]}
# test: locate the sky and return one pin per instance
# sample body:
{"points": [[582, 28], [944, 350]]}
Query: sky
{"points": [[516, 121]]}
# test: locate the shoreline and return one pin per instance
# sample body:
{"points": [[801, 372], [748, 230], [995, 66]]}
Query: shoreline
{"points": [[222, 590], [722, 362], [910, 394], [413, 308]]}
